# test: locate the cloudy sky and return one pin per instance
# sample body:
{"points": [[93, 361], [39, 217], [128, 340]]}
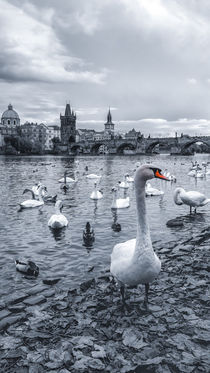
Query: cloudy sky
{"points": [[148, 60]]}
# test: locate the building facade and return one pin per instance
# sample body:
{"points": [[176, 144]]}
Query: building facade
{"points": [[68, 126], [53, 132], [10, 124], [35, 133]]}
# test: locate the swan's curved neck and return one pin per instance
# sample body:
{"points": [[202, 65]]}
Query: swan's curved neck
{"points": [[143, 239], [40, 195], [176, 196], [57, 210]]}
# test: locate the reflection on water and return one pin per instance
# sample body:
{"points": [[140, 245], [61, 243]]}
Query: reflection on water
{"points": [[25, 234]]}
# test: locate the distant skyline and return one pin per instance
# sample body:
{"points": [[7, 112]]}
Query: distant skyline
{"points": [[147, 60]]}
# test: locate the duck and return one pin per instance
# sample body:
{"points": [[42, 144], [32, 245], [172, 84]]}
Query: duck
{"points": [[124, 184], [67, 179], [96, 194], [88, 235], [191, 198], [93, 176], [134, 262], [58, 220], [150, 191], [29, 268], [119, 203], [50, 199], [30, 203]]}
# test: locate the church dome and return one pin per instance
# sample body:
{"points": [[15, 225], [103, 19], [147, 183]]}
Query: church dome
{"points": [[10, 116]]}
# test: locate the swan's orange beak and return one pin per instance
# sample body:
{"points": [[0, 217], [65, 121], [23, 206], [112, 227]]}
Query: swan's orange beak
{"points": [[160, 176]]}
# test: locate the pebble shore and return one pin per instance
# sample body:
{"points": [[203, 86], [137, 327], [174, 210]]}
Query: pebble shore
{"points": [[86, 329]]}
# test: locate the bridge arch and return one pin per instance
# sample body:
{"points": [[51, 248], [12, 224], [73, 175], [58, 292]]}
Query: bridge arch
{"points": [[125, 145], [77, 149], [185, 146], [151, 146], [95, 148]]}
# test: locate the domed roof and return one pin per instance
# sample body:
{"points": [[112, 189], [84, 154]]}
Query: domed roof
{"points": [[10, 113]]}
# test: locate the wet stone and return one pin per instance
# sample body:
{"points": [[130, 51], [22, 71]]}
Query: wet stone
{"points": [[174, 223], [32, 301], [16, 298], [48, 293], [36, 289], [52, 281], [16, 308], [4, 313], [10, 320]]}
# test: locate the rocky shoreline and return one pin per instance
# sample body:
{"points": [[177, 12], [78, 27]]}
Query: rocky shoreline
{"points": [[86, 329]]}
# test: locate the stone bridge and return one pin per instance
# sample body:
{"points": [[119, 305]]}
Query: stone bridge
{"points": [[141, 145]]}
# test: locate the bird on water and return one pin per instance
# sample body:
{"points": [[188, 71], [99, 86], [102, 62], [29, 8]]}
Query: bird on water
{"points": [[134, 262]]}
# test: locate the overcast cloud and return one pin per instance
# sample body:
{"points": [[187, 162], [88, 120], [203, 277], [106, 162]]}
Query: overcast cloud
{"points": [[147, 60]]}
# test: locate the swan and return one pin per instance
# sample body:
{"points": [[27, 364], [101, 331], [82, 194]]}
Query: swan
{"points": [[58, 220], [134, 262], [119, 203], [124, 184], [93, 176], [33, 202], [191, 173], [96, 194], [150, 191], [67, 179], [199, 174], [129, 178], [35, 188], [192, 198]]}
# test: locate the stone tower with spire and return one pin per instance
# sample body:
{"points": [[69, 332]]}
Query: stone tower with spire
{"points": [[68, 126], [109, 125]]}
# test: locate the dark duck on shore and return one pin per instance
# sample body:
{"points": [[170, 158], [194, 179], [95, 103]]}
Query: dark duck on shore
{"points": [[29, 268], [88, 235]]}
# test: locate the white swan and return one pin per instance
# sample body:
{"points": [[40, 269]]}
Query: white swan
{"points": [[93, 176], [58, 220], [192, 198], [134, 262], [119, 203], [124, 184], [30, 203], [96, 194], [129, 178], [67, 179], [35, 190], [150, 191], [199, 174]]}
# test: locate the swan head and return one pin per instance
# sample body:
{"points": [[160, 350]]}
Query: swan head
{"points": [[148, 171], [59, 205]]}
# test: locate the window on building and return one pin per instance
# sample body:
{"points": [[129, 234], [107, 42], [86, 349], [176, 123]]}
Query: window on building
{"points": [[8, 121]]}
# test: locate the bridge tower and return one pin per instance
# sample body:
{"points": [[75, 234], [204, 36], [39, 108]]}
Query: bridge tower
{"points": [[109, 125], [68, 126]]}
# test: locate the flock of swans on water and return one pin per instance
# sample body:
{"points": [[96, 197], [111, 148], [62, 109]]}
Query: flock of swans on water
{"points": [[133, 262]]}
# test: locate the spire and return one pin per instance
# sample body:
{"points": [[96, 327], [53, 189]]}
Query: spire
{"points": [[68, 110], [10, 107], [109, 117]]}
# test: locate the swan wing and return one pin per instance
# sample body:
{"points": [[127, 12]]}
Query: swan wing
{"points": [[193, 198], [57, 221]]}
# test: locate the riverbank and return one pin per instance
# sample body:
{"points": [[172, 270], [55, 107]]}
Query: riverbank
{"points": [[87, 330]]}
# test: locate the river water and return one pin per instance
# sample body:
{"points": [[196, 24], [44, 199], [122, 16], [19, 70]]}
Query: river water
{"points": [[25, 234]]}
